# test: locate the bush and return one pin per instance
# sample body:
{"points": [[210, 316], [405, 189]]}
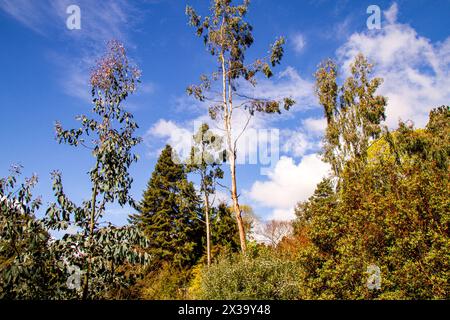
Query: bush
{"points": [[164, 282], [264, 276]]}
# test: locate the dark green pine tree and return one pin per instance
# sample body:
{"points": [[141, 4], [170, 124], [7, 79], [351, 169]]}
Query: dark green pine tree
{"points": [[170, 213], [224, 232]]}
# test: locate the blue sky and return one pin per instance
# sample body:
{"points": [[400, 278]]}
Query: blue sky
{"points": [[45, 69]]}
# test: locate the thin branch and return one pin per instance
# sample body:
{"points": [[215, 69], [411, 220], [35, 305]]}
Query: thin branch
{"points": [[242, 132], [87, 147], [241, 104], [223, 186], [252, 98], [218, 128], [248, 65], [213, 200], [201, 220]]}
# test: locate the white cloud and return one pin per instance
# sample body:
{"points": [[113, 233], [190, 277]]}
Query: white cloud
{"points": [[75, 81], [218, 197], [298, 42], [283, 214], [416, 71], [315, 126], [147, 88], [71, 229], [188, 105], [250, 144], [391, 13], [306, 138], [289, 183], [179, 137], [287, 83], [295, 143], [290, 84], [29, 13]]}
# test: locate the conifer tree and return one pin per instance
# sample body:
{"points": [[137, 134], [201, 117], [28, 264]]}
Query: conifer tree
{"points": [[224, 233], [170, 213]]}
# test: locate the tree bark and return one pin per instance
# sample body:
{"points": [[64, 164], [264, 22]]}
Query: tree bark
{"points": [[91, 234], [228, 109], [208, 231], [236, 207]]}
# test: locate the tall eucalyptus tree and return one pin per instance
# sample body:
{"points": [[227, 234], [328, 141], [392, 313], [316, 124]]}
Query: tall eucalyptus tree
{"points": [[99, 250], [227, 36]]}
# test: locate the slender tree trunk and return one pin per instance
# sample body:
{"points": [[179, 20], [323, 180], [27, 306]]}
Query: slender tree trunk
{"points": [[91, 233], [208, 230], [228, 109], [237, 209]]}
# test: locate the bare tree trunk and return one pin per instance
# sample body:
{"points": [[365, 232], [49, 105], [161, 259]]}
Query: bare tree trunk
{"points": [[228, 109], [208, 231], [237, 209], [91, 234]]}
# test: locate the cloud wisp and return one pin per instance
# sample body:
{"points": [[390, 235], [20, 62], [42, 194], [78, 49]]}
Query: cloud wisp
{"points": [[100, 21], [298, 43]]}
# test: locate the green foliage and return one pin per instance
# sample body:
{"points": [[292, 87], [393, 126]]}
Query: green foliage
{"points": [[25, 264], [393, 213], [224, 233], [35, 266], [166, 282], [353, 111], [261, 276], [205, 159], [115, 250], [170, 213], [195, 284]]}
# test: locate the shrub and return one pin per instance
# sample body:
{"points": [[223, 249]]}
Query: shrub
{"points": [[264, 276], [164, 282]]}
